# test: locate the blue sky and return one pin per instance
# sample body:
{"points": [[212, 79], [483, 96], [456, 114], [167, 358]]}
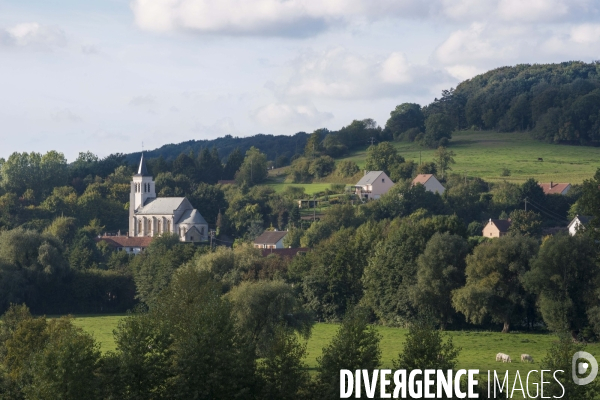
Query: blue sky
{"points": [[106, 76]]}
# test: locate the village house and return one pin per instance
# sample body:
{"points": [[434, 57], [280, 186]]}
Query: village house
{"points": [[578, 223], [373, 185], [430, 182], [130, 245], [270, 240], [555, 188], [496, 228]]}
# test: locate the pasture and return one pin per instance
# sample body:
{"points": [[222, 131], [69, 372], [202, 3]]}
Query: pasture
{"points": [[478, 348], [485, 154]]}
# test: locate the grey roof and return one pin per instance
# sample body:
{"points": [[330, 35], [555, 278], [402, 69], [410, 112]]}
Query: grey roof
{"points": [[160, 206], [502, 224], [142, 170], [584, 219], [270, 237], [192, 217], [369, 178]]}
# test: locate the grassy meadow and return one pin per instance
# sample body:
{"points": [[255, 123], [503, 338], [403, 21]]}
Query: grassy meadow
{"points": [[485, 154], [478, 348]]}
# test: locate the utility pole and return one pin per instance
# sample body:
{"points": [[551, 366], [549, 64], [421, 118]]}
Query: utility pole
{"points": [[314, 208], [525, 203], [372, 140], [419, 157], [212, 235]]}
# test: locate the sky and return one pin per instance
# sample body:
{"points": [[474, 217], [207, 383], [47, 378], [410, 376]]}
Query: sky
{"points": [[112, 76]]}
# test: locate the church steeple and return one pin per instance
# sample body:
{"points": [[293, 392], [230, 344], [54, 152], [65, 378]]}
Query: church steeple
{"points": [[142, 170]]}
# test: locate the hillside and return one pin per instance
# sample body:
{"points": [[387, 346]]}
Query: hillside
{"points": [[485, 154]]}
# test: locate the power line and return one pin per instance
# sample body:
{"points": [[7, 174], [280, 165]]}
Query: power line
{"points": [[548, 213]]}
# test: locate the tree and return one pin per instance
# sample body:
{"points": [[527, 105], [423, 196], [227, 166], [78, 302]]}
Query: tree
{"points": [[383, 157], [355, 346], [254, 168], [565, 277], [233, 164], [313, 144], [321, 166], [438, 129], [404, 117], [424, 348], [528, 223], [533, 192], [282, 371], [440, 270], [346, 168], [264, 307], [494, 272], [559, 357], [443, 158], [67, 365]]}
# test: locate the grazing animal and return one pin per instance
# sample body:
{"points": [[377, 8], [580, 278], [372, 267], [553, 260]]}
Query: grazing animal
{"points": [[526, 358], [506, 358], [500, 356], [540, 159]]}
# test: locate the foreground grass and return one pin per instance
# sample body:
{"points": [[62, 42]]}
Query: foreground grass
{"points": [[478, 348], [485, 154]]}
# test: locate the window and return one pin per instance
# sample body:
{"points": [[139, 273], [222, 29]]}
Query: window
{"points": [[382, 180], [168, 226], [192, 238], [140, 227], [202, 231], [131, 249], [159, 225]]}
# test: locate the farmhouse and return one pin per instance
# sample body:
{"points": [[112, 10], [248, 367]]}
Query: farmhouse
{"points": [[373, 185], [496, 228], [151, 216], [270, 240], [555, 188], [430, 182], [578, 223]]}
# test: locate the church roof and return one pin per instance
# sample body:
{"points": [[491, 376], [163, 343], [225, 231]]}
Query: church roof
{"points": [[160, 206], [142, 170], [192, 217]]}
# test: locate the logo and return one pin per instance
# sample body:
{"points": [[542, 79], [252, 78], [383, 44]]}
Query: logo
{"points": [[580, 368]]}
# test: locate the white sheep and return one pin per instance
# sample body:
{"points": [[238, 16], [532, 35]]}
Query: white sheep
{"points": [[499, 357], [506, 358], [526, 358]]}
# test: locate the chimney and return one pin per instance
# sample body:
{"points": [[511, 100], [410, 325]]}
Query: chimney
{"points": [[551, 185], [367, 171]]}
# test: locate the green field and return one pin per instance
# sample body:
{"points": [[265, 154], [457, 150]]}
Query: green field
{"points": [[478, 348], [486, 154], [309, 188]]}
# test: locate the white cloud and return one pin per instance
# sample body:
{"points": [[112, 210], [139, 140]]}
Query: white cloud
{"points": [[290, 115], [340, 74], [34, 35], [65, 115], [145, 100], [265, 17], [585, 34]]}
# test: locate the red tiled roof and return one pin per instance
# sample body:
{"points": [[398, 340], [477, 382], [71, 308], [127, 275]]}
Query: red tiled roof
{"points": [[285, 253], [126, 241], [554, 188], [421, 178]]}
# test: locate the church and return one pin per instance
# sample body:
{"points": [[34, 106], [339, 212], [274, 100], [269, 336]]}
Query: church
{"points": [[151, 216]]}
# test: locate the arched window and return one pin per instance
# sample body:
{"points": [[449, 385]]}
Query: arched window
{"points": [[202, 231], [140, 227], [168, 226], [159, 226]]}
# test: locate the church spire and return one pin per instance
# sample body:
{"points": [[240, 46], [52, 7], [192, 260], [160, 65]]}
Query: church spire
{"points": [[142, 170]]}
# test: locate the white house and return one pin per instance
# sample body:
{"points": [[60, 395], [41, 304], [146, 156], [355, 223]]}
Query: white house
{"points": [[373, 185], [555, 188], [151, 216], [270, 240], [578, 223], [430, 182], [130, 245]]}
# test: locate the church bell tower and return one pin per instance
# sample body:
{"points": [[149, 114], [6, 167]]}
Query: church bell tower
{"points": [[142, 189]]}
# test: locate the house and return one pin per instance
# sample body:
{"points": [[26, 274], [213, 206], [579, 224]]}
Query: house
{"points": [[555, 188], [373, 185], [496, 228], [430, 182], [131, 245], [308, 203], [270, 240], [578, 223], [150, 215]]}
